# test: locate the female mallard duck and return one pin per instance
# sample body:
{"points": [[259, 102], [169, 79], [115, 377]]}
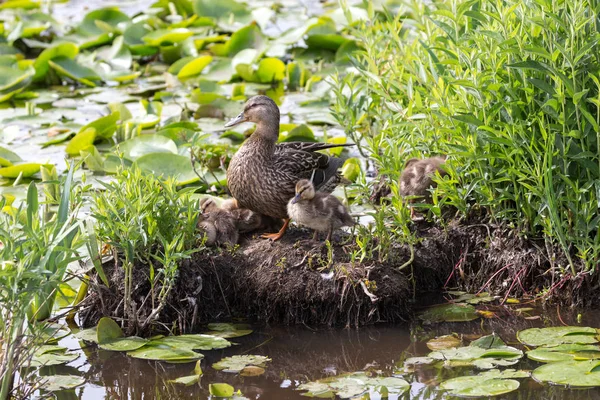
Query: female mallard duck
{"points": [[219, 225], [320, 211], [417, 178], [263, 173]]}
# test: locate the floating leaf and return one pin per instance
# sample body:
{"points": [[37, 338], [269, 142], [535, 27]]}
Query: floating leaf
{"points": [[108, 330], [270, 70], [449, 313], [192, 342], [99, 21], [237, 363], [26, 170], [47, 355], [300, 133], [565, 352], [89, 335], [145, 144], [571, 373], [479, 386], [164, 353], [221, 9], [478, 357], [194, 67], [252, 370], [351, 169], [162, 37], [61, 382], [105, 126], [354, 385], [228, 330], [558, 335], [8, 158], [72, 69], [443, 342], [81, 141], [69, 50], [220, 389], [110, 337], [248, 37], [168, 165], [505, 374], [191, 379]]}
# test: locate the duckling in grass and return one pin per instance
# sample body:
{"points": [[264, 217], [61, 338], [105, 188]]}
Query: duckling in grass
{"points": [[417, 178], [219, 225], [320, 211]]}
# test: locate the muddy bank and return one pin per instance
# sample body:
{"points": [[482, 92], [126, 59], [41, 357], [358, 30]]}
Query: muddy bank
{"points": [[297, 281]]}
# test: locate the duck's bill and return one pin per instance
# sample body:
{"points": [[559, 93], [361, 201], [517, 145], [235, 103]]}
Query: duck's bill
{"points": [[236, 121], [296, 198]]}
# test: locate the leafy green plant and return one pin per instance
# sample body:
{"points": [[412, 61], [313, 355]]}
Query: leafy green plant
{"points": [[509, 90], [148, 222], [35, 252]]}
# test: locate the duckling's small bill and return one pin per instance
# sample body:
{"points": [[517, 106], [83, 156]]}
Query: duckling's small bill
{"points": [[296, 198], [236, 121]]}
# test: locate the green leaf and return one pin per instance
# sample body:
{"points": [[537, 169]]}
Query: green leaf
{"points": [[72, 69], [47, 355], [443, 342], [192, 342], [26, 169], [105, 126], [145, 144], [571, 373], [81, 141], [41, 65], [237, 363], [449, 313], [351, 169], [8, 157], [61, 382], [558, 335], [164, 37], [194, 67], [108, 330], [108, 17], [248, 37], [124, 344], [168, 165], [270, 70], [353, 385], [479, 386], [220, 389], [565, 352], [221, 9], [228, 330], [164, 353]]}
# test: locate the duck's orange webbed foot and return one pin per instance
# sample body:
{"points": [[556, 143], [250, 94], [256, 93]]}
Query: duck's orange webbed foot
{"points": [[276, 236]]}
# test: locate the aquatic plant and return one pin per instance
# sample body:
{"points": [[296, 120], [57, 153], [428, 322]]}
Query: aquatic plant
{"points": [[509, 90]]}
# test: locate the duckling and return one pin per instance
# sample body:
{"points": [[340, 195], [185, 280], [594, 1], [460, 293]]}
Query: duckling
{"points": [[262, 174], [320, 211], [417, 178], [219, 225]]}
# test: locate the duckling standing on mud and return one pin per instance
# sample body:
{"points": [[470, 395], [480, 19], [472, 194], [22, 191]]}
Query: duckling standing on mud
{"points": [[417, 178], [320, 211], [219, 225]]}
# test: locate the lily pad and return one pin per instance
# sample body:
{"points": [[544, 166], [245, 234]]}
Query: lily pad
{"points": [[220, 390], [72, 69], [194, 67], [81, 141], [145, 144], [192, 342], [571, 373], [237, 363], [61, 382], [190, 379], [168, 165], [449, 313], [8, 158], [48, 355], [163, 37], [353, 385], [111, 337], [228, 330], [89, 335], [485, 353], [69, 50], [270, 70], [351, 169], [479, 386], [99, 21], [165, 353], [558, 335], [443, 342], [26, 170], [565, 352]]}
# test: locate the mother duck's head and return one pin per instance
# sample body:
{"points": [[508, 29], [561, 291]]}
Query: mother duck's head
{"points": [[258, 109]]}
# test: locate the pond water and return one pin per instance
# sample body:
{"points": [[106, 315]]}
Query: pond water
{"points": [[300, 354]]}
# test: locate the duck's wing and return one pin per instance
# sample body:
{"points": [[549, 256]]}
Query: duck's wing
{"points": [[302, 160]]}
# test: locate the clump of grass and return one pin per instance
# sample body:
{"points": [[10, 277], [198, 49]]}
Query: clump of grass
{"points": [[509, 90], [145, 219]]}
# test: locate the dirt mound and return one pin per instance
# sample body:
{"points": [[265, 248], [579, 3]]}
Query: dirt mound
{"points": [[297, 281]]}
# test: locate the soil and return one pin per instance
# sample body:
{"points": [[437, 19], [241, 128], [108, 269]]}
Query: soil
{"points": [[298, 281]]}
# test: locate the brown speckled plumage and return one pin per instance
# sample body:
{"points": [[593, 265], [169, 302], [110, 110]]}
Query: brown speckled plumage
{"points": [[417, 177], [219, 225], [262, 174]]}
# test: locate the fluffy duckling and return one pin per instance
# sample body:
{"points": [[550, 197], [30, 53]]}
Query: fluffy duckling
{"points": [[320, 211], [219, 225], [417, 178]]}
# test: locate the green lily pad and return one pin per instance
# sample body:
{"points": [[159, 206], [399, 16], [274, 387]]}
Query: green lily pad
{"points": [[118, 55], [351, 169], [145, 144], [558, 335], [48, 355], [248, 37], [192, 342], [165, 353], [72, 69], [100, 21], [220, 390], [26, 170], [353, 385], [228, 330], [478, 357], [505, 374], [571, 373], [81, 141], [565, 352], [479, 386], [194, 67], [168, 165], [108, 330], [237, 363], [92, 158], [15, 76], [270, 70], [105, 126], [474, 298], [163, 37], [8, 158], [449, 313], [221, 9], [61, 382], [300, 133], [69, 50], [89, 335], [110, 337], [190, 379]]}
